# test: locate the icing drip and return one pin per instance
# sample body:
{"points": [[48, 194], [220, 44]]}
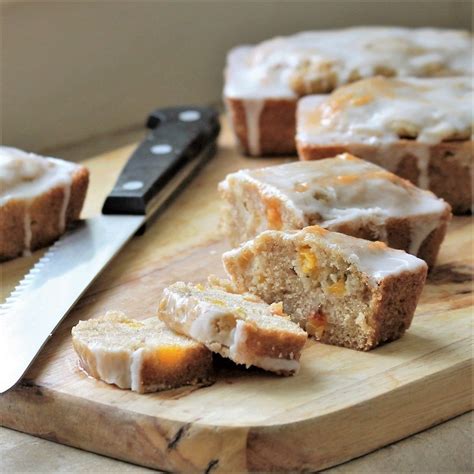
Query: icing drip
{"points": [[419, 231], [27, 233], [253, 110], [423, 163], [64, 206], [26, 176], [136, 369]]}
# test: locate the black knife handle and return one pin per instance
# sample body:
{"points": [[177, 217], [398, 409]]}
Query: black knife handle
{"points": [[178, 134]]}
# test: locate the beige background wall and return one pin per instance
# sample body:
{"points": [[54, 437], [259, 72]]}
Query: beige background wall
{"points": [[74, 69]]}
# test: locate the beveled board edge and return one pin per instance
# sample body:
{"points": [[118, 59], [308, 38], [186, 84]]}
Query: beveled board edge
{"points": [[311, 444]]}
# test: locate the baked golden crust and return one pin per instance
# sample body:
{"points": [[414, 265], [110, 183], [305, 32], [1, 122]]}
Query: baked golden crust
{"points": [[449, 169], [44, 213]]}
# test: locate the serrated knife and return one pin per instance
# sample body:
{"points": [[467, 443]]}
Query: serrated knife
{"points": [[180, 141]]}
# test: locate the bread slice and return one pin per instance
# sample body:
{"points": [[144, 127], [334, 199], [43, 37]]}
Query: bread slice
{"points": [[264, 82], [342, 290], [342, 194], [240, 327], [420, 129], [144, 356], [39, 198]]}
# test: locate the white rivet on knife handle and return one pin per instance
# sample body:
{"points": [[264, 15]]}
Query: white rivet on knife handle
{"points": [[132, 185], [189, 116], [161, 149]]}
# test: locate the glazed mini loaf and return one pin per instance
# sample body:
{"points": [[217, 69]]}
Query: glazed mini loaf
{"points": [[264, 82], [240, 327], [344, 291], [420, 129], [343, 194], [39, 197], [144, 356]]}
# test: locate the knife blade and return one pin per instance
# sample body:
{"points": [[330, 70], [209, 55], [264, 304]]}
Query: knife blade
{"points": [[181, 141]]}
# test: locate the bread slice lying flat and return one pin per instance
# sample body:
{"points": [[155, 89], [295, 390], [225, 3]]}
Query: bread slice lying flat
{"points": [[240, 327], [144, 356], [343, 290]]}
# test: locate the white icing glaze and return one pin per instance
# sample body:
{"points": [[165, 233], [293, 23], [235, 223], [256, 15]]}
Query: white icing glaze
{"points": [[276, 365], [27, 232], [420, 229], [423, 164], [376, 260], [25, 176], [136, 366], [341, 189], [253, 110], [244, 81], [64, 205], [119, 367], [324, 60], [266, 70], [389, 265], [113, 366], [380, 111]]}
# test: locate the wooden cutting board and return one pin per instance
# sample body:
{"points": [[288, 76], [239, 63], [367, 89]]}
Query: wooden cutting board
{"points": [[341, 405]]}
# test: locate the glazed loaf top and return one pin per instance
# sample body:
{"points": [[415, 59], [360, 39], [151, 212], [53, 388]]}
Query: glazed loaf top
{"points": [[319, 61], [382, 110], [340, 189], [374, 259], [26, 175], [343, 190]]}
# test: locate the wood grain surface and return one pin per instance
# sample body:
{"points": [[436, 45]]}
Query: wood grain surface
{"points": [[341, 405]]}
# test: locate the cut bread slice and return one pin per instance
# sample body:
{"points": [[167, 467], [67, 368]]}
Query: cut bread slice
{"points": [[39, 198], [342, 194], [144, 356], [240, 327], [342, 290]]}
